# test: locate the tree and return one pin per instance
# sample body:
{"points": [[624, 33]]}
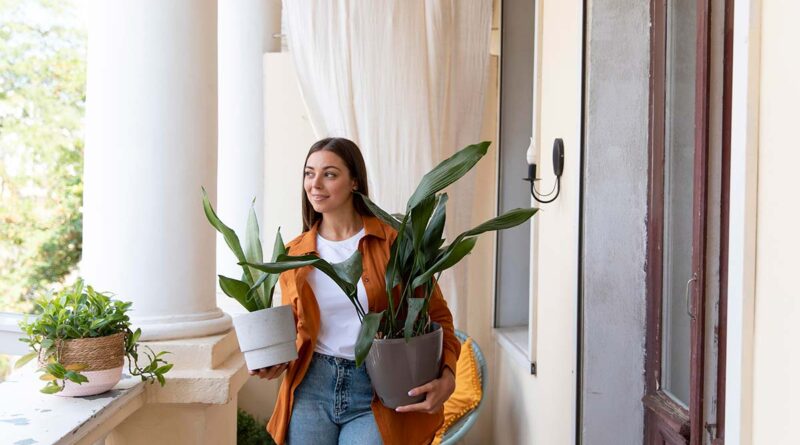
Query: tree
{"points": [[42, 102]]}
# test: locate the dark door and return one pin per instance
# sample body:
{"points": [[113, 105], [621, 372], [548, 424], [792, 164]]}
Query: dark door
{"points": [[681, 220]]}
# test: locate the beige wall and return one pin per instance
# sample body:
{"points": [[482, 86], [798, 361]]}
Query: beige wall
{"points": [[777, 305], [541, 409]]}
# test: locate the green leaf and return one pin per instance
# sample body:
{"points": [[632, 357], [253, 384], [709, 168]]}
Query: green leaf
{"points": [[414, 307], [161, 380], [75, 377], [448, 172], [164, 369], [25, 359], [420, 215], [287, 262], [227, 233], [260, 302], [238, 290], [51, 388], [449, 258], [432, 240], [507, 220], [380, 213], [366, 335], [278, 249], [253, 251], [56, 369], [349, 270]]}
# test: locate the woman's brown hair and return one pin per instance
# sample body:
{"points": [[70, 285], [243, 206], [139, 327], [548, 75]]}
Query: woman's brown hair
{"points": [[348, 151]]}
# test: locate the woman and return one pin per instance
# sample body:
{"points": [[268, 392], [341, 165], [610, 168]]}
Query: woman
{"points": [[324, 398]]}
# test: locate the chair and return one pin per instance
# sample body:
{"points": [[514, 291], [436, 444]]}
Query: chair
{"points": [[458, 430]]}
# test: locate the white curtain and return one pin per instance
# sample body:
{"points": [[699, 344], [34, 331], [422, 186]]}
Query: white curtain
{"points": [[404, 79]]}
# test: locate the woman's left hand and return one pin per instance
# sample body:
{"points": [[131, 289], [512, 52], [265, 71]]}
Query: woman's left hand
{"points": [[437, 391]]}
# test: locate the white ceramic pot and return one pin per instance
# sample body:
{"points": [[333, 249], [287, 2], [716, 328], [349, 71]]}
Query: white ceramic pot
{"points": [[267, 337], [99, 382]]}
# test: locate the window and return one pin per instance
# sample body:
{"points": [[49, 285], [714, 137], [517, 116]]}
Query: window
{"points": [[42, 96]]}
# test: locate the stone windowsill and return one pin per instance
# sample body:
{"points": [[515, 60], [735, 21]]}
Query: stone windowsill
{"points": [[29, 417]]}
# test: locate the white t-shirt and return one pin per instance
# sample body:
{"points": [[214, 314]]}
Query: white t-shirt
{"points": [[339, 323]]}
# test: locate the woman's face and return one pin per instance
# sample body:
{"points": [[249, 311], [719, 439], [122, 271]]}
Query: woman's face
{"points": [[327, 182]]}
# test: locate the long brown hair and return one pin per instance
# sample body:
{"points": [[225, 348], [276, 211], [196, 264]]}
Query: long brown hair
{"points": [[348, 151]]}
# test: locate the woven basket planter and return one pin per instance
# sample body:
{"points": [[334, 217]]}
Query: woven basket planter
{"points": [[104, 358]]}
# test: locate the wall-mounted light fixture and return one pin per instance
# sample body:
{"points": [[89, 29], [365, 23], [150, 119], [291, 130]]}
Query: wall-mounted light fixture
{"points": [[558, 169]]}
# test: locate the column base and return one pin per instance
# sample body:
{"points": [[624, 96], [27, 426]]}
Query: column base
{"points": [[171, 327], [198, 403]]}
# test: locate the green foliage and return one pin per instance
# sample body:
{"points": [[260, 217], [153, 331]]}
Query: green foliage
{"points": [[82, 312], [249, 431], [418, 255], [256, 288], [42, 100]]}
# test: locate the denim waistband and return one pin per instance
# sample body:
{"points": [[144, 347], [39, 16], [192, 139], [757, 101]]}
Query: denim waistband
{"points": [[337, 361]]}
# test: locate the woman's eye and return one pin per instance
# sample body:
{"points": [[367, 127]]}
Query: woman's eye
{"points": [[308, 174], [330, 175]]}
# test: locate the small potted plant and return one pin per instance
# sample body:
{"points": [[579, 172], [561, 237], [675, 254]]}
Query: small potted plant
{"points": [[402, 347], [81, 338], [267, 334]]}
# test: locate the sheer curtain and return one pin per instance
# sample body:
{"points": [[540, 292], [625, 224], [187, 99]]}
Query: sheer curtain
{"points": [[406, 80]]}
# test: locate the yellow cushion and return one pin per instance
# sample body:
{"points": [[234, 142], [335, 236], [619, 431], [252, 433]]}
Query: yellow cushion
{"points": [[468, 390]]}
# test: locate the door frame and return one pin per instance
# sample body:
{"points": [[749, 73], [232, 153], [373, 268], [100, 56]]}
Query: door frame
{"points": [[681, 424]]}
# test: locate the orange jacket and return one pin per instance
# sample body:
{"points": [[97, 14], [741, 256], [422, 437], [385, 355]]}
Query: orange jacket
{"points": [[396, 428]]}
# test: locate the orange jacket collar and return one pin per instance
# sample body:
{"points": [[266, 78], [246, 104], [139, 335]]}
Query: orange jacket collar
{"points": [[308, 240]]}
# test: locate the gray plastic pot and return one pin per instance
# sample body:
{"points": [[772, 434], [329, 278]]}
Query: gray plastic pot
{"points": [[395, 367], [267, 337]]}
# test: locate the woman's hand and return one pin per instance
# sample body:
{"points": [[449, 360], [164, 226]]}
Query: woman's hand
{"points": [[437, 391], [271, 372]]}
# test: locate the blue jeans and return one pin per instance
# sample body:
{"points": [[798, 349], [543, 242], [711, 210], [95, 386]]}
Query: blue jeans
{"points": [[332, 405]]}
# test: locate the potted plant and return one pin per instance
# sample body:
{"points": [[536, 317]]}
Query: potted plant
{"points": [[401, 346], [81, 337], [266, 334]]}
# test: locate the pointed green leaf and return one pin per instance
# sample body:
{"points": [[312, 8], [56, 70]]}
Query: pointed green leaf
{"points": [[383, 215], [238, 290], [350, 270], [288, 262], [433, 236], [447, 172], [25, 359], [257, 297], [278, 249], [227, 233], [452, 255], [420, 215], [414, 307], [366, 334], [253, 251], [511, 218]]}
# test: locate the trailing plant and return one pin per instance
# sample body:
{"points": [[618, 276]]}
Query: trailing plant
{"points": [[81, 312], [418, 255]]}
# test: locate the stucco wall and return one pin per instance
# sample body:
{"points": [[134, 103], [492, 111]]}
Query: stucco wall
{"points": [[614, 235], [777, 307]]}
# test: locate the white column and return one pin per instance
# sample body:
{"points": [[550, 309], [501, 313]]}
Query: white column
{"points": [[151, 143], [246, 28]]}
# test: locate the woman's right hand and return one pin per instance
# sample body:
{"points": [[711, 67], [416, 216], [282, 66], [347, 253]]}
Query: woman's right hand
{"points": [[271, 372]]}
